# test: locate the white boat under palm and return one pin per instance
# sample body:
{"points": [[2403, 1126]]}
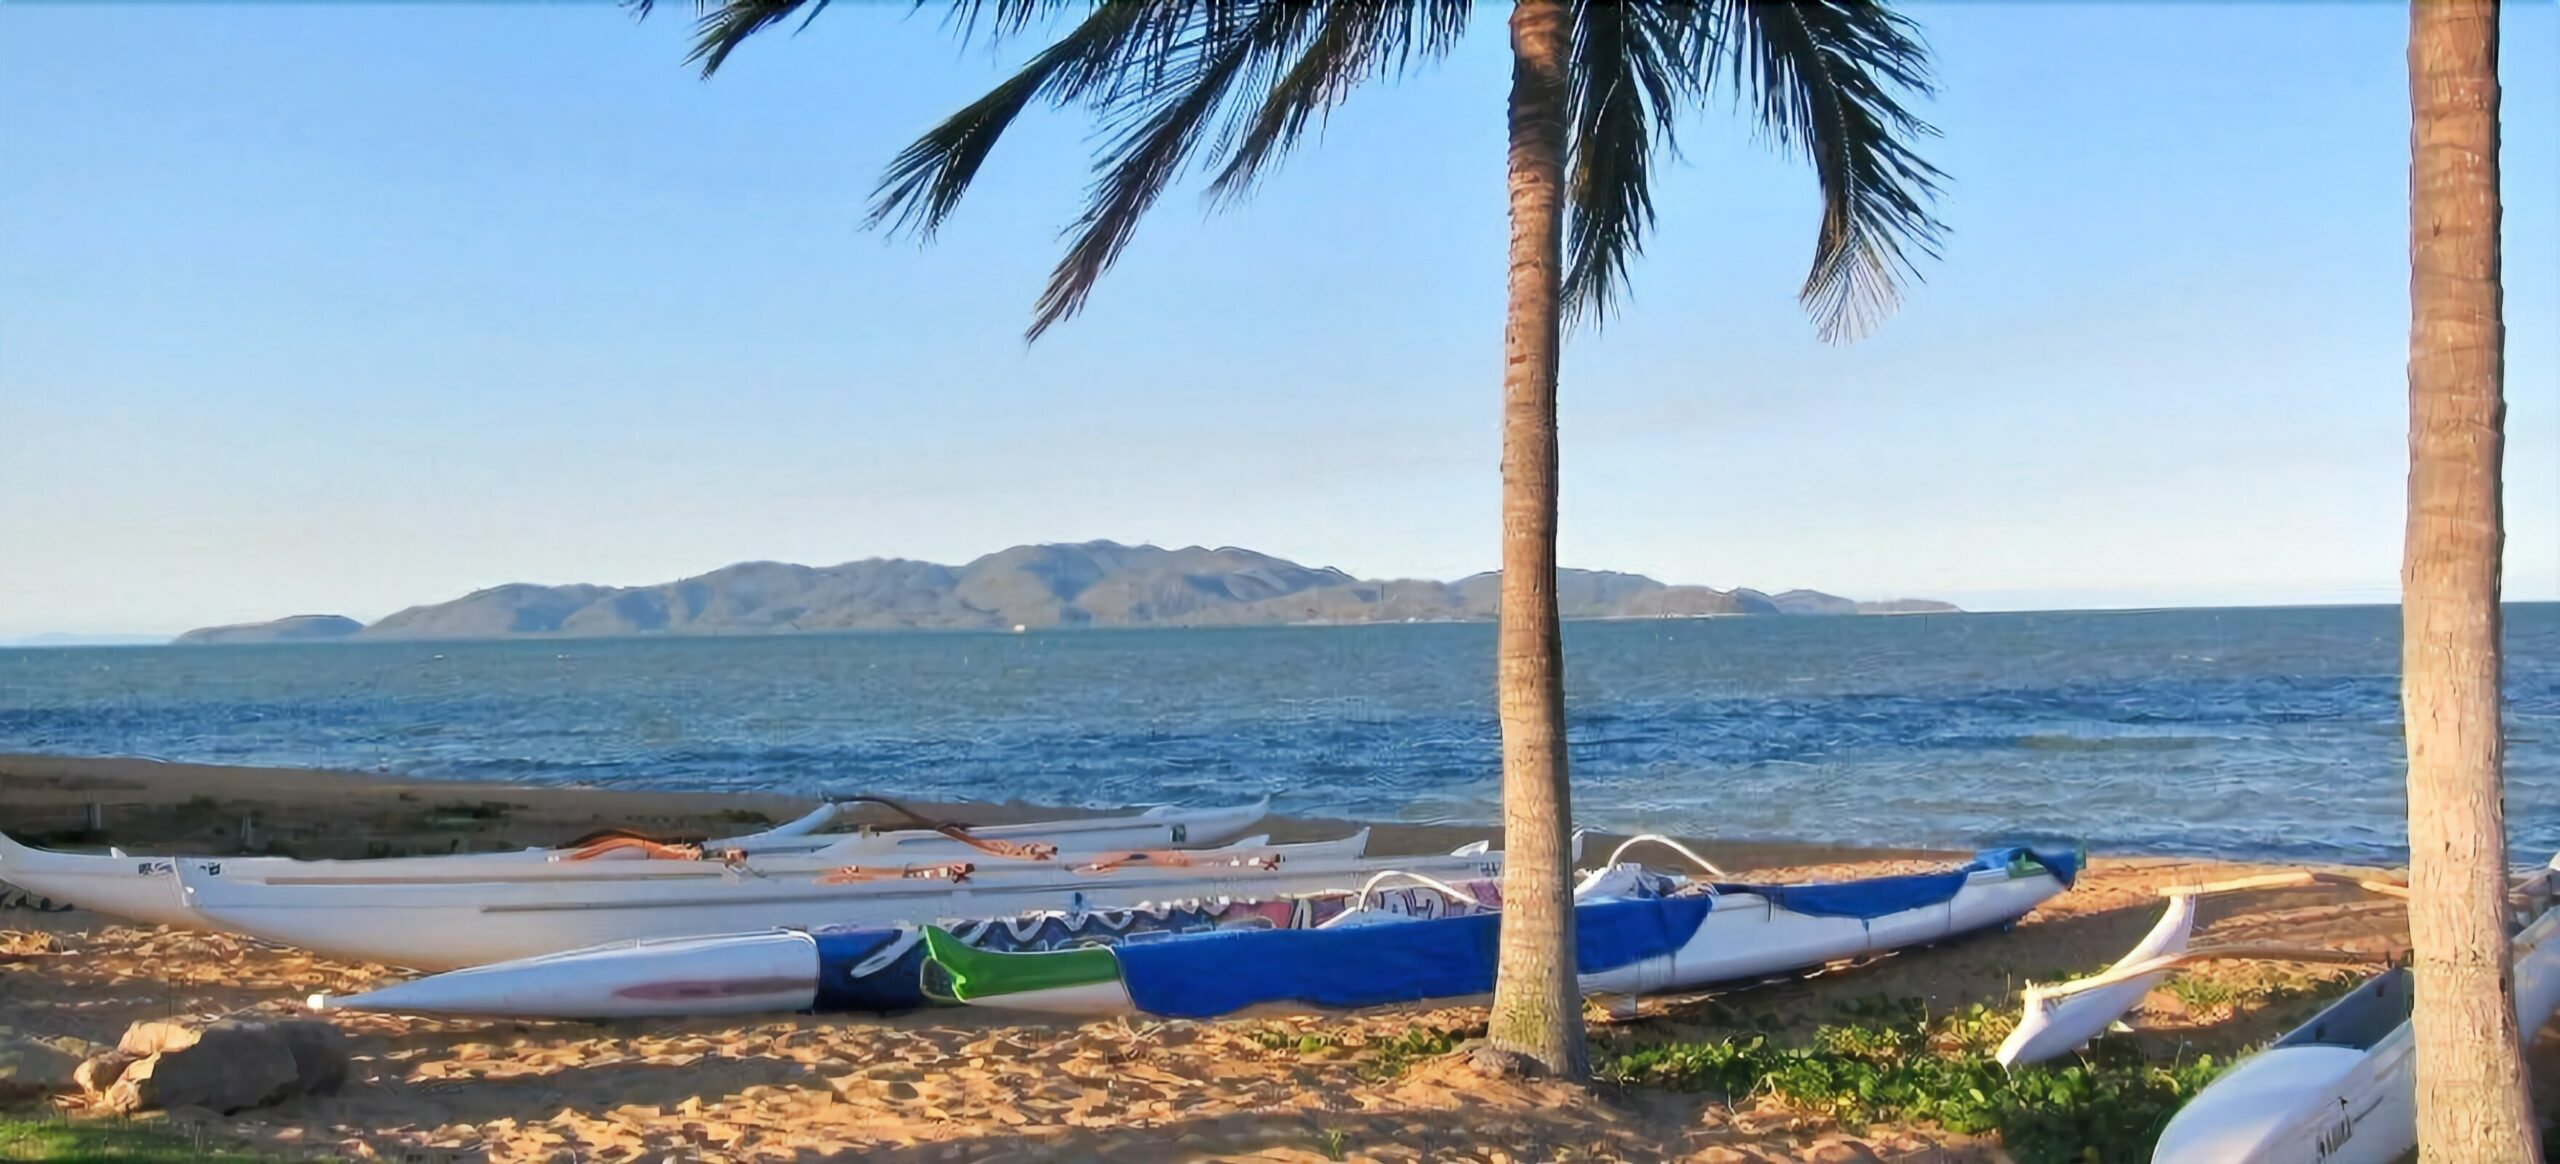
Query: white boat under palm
{"points": [[138, 888], [2341, 1089], [2061, 1018], [445, 926]]}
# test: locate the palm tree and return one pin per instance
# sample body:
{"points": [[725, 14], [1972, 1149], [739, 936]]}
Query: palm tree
{"points": [[2472, 1103], [1596, 89]]}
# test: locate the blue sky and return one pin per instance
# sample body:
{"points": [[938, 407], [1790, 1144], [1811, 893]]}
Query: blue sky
{"points": [[339, 308]]}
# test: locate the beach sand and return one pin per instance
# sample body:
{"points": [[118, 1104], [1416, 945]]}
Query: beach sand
{"points": [[968, 1085]]}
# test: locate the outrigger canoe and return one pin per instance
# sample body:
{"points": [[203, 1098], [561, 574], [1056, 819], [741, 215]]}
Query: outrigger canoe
{"points": [[1645, 938], [1006, 846], [448, 926], [2341, 1088], [836, 969], [139, 888]]}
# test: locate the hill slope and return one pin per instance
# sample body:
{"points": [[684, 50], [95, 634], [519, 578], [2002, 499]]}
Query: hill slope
{"points": [[300, 628], [1089, 584]]}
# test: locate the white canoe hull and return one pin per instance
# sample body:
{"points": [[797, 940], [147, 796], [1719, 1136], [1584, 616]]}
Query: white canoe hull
{"points": [[771, 866], [443, 927], [1156, 830], [139, 888], [721, 974], [2306, 1102], [1747, 937]]}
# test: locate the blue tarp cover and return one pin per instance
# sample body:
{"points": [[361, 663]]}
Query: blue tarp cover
{"points": [[1214, 974], [1875, 897], [895, 988], [2065, 863]]}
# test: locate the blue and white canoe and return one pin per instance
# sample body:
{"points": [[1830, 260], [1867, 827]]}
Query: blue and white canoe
{"points": [[834, 970], [1644, 941]]}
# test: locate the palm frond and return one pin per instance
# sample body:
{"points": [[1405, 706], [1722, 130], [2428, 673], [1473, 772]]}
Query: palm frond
{"points": [[1353, 42], [1157, 117], [1244, 80], [1626, 82], [1822, 76], [720, 26], [1001, 19], [924, 183]]}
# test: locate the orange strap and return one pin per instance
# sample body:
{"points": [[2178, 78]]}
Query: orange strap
{"points": [[651, 850], [1174, 859], [1018, 850], [937, 871]]}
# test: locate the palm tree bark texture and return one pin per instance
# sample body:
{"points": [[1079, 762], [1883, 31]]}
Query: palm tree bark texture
{"points": [[2472, 1102]]}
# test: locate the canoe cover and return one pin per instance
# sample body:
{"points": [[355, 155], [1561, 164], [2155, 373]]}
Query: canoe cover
{"points": [[1875, 897], [887, 970], [1214, 974]]}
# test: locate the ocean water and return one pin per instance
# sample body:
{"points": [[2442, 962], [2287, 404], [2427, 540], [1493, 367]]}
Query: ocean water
{"points": [[2264, 732]]}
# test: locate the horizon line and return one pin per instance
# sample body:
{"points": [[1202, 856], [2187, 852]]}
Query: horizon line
{"points": [[27, 641]]}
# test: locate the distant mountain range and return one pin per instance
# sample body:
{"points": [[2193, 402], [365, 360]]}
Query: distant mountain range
{"points": [[1092, 584], [299, 628]]}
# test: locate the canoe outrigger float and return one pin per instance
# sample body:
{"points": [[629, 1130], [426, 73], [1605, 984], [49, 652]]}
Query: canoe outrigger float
{"points": [[2062, 1018], [140, 888], [2337, 1090], [449, 926], [1637, 933], [2342, 1088], [839, 970]]}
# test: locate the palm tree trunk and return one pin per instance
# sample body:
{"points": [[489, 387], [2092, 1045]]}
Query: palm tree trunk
{"points": [[2472, 1103], [1537, 1008]]}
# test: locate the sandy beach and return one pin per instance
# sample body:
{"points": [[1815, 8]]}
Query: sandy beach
{"points": [[972, 1085]]}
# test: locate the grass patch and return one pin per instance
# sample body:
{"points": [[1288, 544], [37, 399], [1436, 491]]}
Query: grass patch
{"points": [[1896, 1063], [52, 1138], [2202, 994], [1384, 1057], [1394, 1055]]}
